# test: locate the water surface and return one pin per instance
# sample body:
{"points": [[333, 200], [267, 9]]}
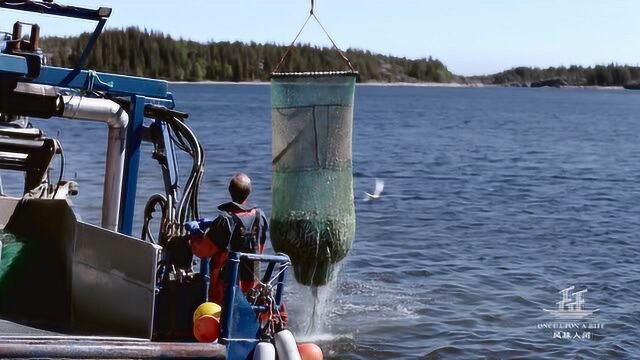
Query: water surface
{"points": [[495, 200]]}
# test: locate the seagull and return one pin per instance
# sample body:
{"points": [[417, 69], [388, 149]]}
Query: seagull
{"points": [[377, 192]]}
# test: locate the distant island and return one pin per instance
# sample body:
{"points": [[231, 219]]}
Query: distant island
{"points": [[153, 54]]}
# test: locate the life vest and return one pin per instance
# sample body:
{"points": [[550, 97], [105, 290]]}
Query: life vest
{"points": [[245, 231], [244, 228]]}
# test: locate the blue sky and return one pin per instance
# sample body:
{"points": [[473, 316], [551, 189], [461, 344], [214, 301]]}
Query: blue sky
{"points": [[469, 36]]}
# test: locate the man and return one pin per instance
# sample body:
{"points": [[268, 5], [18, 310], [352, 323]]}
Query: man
{"points": [[238, 227]]}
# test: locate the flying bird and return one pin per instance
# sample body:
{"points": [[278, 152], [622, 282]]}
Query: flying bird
{"points": [[377, 192]]}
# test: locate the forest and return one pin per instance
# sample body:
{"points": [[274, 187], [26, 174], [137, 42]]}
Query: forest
{"points": [[139, 52], [599, 75]]}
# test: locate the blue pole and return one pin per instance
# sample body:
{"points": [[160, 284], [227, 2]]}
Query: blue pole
{"points": [[231, 268], [131, 164], [86, 52], [205, 264]]}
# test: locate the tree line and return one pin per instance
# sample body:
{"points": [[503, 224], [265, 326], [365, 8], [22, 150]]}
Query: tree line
{"points": [[133, 51], [145, 53], [599, 75]]}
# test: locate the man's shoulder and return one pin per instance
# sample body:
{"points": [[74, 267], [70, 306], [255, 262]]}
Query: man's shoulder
{"points": [[231, 212], [263, 215], [234, 207], [222, 220], [223, 217]]}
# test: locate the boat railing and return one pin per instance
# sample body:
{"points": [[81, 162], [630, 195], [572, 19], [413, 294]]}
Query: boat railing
{"points": [[240, 325]]}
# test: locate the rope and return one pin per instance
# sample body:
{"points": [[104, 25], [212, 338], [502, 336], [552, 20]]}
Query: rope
{"points": [[333, 42], [92, 78], [312, 14], [275, 277], [291, 45]]}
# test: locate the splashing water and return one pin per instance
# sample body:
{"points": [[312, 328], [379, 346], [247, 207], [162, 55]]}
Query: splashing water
{"points": [[313, 307], [322, 300]]}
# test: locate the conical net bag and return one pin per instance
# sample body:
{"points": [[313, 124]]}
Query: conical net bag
{"points": [[313, 217]]}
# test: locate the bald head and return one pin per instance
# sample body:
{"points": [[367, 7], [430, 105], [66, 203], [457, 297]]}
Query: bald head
{"points": [[240, 187]]}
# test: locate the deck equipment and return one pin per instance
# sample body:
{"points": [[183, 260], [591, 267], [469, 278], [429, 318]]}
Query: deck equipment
{"points": [[71, 289]]}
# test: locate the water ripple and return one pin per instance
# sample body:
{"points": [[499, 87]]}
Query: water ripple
{"points": [[496, 199]]}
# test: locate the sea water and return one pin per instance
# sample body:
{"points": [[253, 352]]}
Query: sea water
{"points": [[495, 200]]}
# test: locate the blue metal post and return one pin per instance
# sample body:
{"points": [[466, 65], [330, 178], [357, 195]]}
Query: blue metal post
{"points": [[172, 161], [86, 52], [12, 65], [233, 262], [131, 164], [112, 83], [156, 91], [205, 264]]}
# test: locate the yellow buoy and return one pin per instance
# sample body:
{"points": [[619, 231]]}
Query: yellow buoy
{"points": [[208, 308]]}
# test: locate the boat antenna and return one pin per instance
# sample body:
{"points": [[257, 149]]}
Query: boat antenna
{"points": [[313, 14]]}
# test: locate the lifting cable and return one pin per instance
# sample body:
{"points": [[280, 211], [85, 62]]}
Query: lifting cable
{"points": [[313, 14]]}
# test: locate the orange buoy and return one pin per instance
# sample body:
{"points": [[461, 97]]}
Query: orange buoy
{"points": [[206, 322], [206, 328], [310, 351]]}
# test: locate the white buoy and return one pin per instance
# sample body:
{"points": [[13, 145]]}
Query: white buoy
{"points": [[264, 351], [286, 346]]}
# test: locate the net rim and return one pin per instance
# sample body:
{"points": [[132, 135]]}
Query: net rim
{"points": [[313, 74]]}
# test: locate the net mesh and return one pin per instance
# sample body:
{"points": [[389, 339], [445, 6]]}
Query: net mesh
{"points": [[27, 273], [313, 217]]}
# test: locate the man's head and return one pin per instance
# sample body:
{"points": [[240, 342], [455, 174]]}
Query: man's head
{"points": [[240, 187]]}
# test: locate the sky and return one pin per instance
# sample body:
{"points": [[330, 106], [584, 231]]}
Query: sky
{"points": [[471, 37]]}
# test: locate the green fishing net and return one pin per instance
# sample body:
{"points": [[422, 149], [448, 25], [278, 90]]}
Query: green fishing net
{"points": [[10, 251], [313, 217], [30, 277]]}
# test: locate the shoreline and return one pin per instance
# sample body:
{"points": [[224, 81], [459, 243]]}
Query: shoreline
{"points": [[382, 84], [407, 84]]}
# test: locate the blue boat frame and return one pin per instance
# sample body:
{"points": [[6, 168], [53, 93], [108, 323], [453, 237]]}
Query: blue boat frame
{"points": [[140, 91], [240, 323]]}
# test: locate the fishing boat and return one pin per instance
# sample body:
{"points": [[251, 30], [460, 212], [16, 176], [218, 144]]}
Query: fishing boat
{"points": [[71, 289]]}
